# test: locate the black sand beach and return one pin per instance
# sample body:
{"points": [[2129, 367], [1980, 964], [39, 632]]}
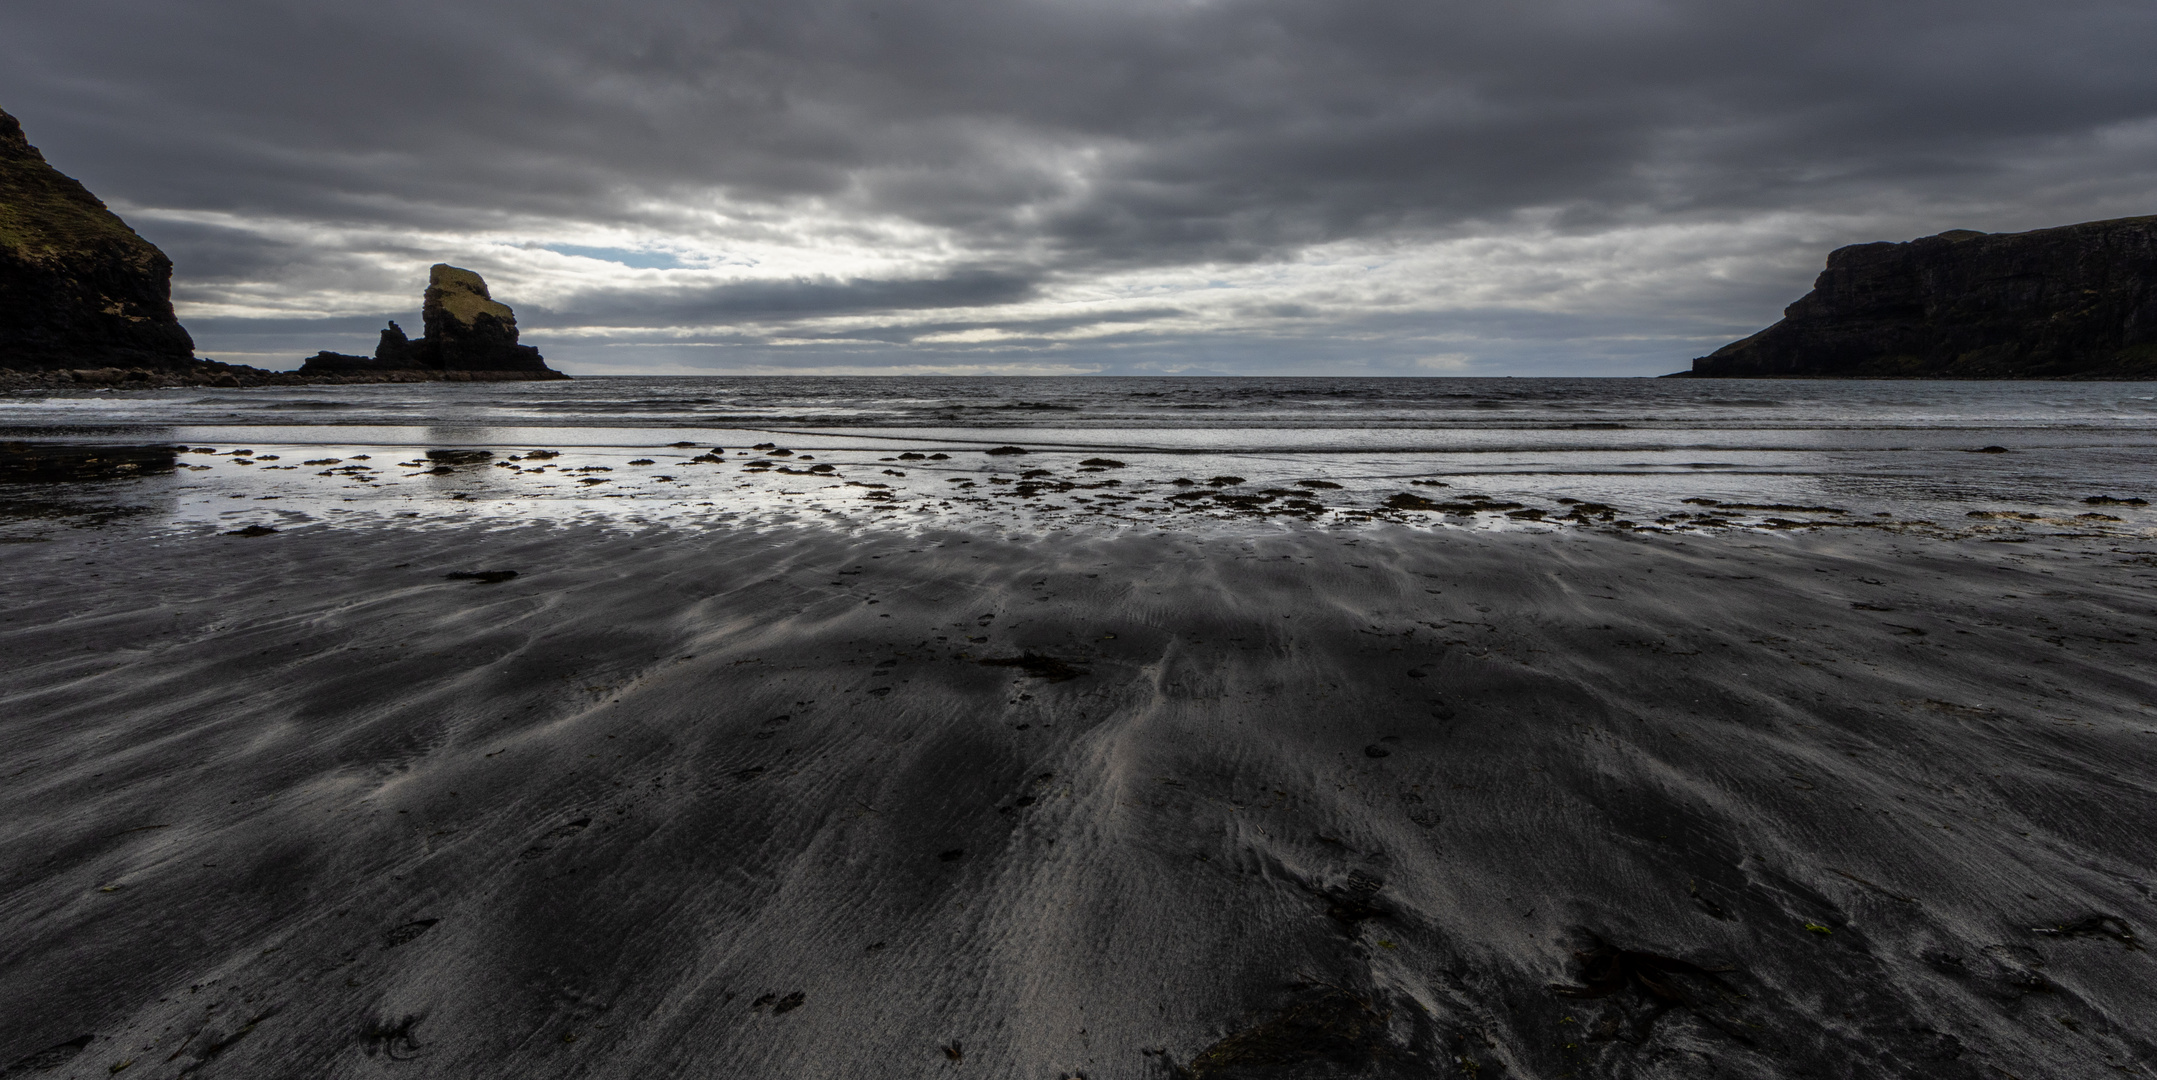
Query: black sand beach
{"points": [[1281, 800]]}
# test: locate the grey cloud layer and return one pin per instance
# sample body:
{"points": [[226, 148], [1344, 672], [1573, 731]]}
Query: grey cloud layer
{"points": [[1062, 141]]}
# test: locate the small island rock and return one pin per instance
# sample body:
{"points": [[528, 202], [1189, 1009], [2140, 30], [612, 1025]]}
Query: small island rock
{"points": [[470, 336]]}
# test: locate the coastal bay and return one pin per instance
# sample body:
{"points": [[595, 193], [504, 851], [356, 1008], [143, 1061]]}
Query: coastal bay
{"points": [[1077, 542]]}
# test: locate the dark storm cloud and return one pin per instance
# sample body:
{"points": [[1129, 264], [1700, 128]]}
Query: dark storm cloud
{"points": [[1234, 126], [1066, 139], [764, 300]]}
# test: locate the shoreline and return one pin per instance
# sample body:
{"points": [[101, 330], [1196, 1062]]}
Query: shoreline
{"points": [[211, 373], [819, 801]]}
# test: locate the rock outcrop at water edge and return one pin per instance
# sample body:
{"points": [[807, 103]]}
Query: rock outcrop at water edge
{"points": [[469, 336]]}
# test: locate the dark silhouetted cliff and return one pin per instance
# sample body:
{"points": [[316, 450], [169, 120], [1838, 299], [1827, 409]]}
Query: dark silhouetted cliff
{"points": [[2073, 302], [78, 288]]}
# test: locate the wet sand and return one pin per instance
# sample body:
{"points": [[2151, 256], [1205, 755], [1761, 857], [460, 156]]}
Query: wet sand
{"points": [[1282, 800]]}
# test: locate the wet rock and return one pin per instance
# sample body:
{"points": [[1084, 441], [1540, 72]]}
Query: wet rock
{"points": [[462, 457]]}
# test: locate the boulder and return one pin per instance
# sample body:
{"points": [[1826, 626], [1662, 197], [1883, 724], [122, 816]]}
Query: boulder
{"points": [[2078, 301], [78, 288]]}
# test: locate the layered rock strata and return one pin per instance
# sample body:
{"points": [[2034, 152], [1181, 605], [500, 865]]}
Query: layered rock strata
{"points": [[468, 336], [78, 288], [2078, 301]]}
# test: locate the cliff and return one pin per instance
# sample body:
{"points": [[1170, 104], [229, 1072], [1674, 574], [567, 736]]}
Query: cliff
{"points": [[78, 288], [468, 335], [2078, 301]]}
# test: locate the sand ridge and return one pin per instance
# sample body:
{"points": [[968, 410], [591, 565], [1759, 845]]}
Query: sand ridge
{"points": [[1270, 802]]}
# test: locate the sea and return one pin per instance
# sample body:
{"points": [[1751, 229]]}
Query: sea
{"points": [[1499, 453]]}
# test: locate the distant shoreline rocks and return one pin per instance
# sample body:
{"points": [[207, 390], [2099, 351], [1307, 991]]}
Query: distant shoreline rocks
{"points": [[2075, 302]]}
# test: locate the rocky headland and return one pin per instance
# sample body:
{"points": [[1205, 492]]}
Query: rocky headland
{"points": [[2071, 302], [469, 337], [2075, 302], [78, 288]]}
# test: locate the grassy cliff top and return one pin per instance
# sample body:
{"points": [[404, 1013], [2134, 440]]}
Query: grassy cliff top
{"points": [[463, 295], [44, 212]]}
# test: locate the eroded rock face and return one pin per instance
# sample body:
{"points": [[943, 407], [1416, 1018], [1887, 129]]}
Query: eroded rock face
{"points": [[78, 288], [468, 333], [467, 328], [2073, 302]]}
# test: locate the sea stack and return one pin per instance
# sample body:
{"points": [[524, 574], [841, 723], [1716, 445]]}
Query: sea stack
{"points": [[2079, 301], [78, 288], [469, 336]]}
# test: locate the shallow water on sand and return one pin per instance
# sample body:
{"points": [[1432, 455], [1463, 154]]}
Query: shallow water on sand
{"points": [[1848, 451]]}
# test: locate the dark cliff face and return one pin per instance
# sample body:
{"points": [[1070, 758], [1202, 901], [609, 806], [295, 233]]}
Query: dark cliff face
{"points": [[2073, 302], [467, 332], [78, 288]]}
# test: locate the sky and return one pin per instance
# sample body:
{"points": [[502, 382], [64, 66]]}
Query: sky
{"points": [[1255, 187]]}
